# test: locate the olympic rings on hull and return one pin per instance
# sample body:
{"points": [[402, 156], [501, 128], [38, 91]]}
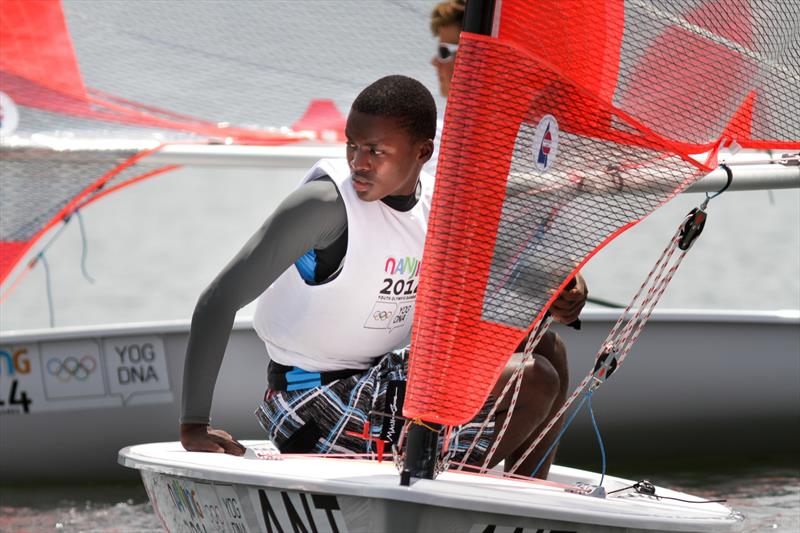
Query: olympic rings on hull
{"points": [[72, 367]]}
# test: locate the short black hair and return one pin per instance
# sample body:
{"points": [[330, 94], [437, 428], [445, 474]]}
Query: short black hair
{"points": [[402, 98]]}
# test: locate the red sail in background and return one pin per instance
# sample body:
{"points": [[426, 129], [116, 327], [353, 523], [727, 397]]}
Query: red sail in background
{"points": [[37, 47], [147, 80], [39, 69], [575, 122]]}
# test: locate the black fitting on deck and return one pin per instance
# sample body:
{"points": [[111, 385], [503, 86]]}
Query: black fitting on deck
{"points": [[421, 453]]}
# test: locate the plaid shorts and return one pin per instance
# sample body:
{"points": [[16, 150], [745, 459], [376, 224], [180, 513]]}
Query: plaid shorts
{"points": [[318, 420]]}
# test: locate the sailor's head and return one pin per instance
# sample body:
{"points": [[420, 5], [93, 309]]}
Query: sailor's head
{"points": [[447, 19], [390, 132]]}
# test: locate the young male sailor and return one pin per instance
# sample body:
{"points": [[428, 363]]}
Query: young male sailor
{"points": [[335, 269]]}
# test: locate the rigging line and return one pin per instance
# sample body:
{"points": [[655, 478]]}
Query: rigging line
{"points": [[575, 394], [557, 439], [48, 284], [32, 262], [604, 348], [519, 373], [130, 181], [624, 334], [22, 275], [662, 283], [94, 197], [729, 173], [638, 294], [419, 422], [646, 488], [491, 415], [515, 379], [511, 381], [630, 333], [662, 287], [80, 200], [599, 440], [622, 344], [84, 247]]}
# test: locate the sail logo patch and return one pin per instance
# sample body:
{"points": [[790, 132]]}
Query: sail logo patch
{"points": [[545, 143]]}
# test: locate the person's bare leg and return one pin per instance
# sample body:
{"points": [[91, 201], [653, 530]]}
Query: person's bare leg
{"points": [[540, 386], [551, 348], [543, 391]]}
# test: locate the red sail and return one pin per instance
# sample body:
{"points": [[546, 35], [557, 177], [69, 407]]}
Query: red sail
{"points": [[572, 124], [37, 48]]}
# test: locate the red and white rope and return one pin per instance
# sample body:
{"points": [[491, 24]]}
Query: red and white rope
{"points": [[527, 356], [621, 338]]}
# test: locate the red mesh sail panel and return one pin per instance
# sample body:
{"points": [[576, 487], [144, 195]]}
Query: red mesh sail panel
{"points": [[575, 122]]}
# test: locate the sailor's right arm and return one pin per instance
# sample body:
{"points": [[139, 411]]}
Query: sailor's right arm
{"points": [[313, 216]]}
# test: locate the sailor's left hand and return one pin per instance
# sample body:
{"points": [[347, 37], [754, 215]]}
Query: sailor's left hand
{"points": [[570, 302], [202, 438]]}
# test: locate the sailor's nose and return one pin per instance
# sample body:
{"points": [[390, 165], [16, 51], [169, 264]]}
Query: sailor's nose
{"points": [[360, 160]]}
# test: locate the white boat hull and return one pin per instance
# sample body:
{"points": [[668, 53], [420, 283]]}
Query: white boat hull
{"points": [[217, 492], [697, 384]]}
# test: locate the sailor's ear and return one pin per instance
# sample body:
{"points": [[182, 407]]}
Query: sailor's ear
{"points": [[425, 150]]}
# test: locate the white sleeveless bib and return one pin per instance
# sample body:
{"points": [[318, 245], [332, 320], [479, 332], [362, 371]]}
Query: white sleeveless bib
{"points": [[368, 308]]}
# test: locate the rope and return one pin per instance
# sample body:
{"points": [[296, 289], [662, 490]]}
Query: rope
{"points": [[646, 488], [88, 195], [418, 421], [516, 380], [599, 439], [620, 340], [41, 257], [48, 283], [533, 342], [555, 442], [84, 248]]}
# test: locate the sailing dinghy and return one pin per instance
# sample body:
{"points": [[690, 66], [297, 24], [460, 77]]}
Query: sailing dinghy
{"points": [[567, 124], [267, 491]]}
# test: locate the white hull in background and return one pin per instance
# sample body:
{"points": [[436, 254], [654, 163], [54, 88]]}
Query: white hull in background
{"points": [[216, 492], [697, 384]]}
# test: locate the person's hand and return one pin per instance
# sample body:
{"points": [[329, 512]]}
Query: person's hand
{"points": [[202, 438], [570, 302]]}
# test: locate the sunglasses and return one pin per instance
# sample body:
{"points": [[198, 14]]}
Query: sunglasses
{"points": [[446, 52]]}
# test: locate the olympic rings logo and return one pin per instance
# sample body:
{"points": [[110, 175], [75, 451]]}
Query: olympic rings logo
{"points": [[72, 367], [381, 315]]}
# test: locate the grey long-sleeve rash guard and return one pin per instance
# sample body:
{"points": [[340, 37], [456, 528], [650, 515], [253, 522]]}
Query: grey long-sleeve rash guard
{"points": [[312, 217]]}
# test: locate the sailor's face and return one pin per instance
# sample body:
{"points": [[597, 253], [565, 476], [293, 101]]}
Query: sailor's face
{"points": [[384, 160], [444, 68]]}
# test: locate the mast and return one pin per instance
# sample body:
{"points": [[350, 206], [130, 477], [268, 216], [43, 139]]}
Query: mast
{"points": [[479, 16], [423, 439]]}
